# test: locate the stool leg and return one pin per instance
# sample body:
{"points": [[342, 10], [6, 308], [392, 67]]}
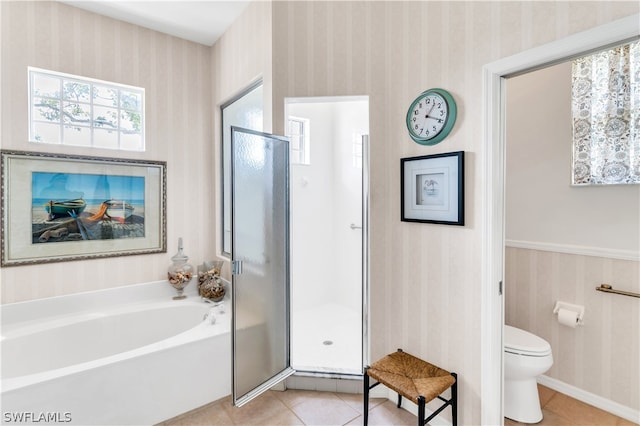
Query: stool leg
{"points": [[366, 397], [454, 401], [399, 396], [421, 403]]}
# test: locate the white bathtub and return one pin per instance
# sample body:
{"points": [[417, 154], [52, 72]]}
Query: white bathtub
{"points": [[124, 356]]}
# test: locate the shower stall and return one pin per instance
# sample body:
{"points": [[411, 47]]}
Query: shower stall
{"points": [[328, 242]]}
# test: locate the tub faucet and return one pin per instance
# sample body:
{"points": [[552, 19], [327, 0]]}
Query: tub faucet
{"points": [[210, 316], [215, 304]]}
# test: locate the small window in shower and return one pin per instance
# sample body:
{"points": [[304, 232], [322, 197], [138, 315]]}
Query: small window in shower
{"points": [[357, 150], [298, 132]]}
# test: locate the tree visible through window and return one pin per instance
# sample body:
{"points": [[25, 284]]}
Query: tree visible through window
{"points": [[72, 110], [606, 116]]}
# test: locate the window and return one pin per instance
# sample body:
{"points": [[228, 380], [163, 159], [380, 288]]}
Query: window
{"points": [[357, 150], [71, 110], [246, 111], [298, 132], [606, 116]]}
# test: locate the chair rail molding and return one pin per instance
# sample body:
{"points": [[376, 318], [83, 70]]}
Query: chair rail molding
{"points": [[608, 253]]}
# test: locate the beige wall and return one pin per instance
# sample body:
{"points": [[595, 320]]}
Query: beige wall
{"points": [[241, 56], [176, 76], [542, 208], [425, 290], [600, 356], [541, 204]]}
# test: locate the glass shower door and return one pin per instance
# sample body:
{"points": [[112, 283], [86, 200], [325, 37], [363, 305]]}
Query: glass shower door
{"points": [[260, 262]]}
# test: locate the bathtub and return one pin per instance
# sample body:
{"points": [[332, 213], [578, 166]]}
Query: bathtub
{"points": [[123, 356]]}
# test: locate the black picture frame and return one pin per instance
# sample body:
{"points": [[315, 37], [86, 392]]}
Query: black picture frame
{"points": [[432, 189]]}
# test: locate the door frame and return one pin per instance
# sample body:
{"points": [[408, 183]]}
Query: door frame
{"points": [[493, 94]]}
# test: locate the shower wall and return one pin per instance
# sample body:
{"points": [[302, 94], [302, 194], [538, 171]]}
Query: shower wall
{"points": [[325, 200]]}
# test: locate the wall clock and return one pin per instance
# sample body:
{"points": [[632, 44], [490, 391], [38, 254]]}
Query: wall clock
{"points": [[431, 116]]}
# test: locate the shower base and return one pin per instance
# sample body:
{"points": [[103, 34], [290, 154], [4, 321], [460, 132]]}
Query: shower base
{"points": [[327, 339]]}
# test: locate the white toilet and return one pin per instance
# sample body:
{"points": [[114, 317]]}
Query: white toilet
{"points": [[526, 356]]}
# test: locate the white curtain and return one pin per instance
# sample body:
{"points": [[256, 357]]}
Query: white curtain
{"points": [[606, 117]]}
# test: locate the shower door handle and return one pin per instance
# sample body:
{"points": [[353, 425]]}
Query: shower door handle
{"points": [[354, 226]]}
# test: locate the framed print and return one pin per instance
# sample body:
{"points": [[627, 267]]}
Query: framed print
{"points": [[66, 207], [432, 188]]}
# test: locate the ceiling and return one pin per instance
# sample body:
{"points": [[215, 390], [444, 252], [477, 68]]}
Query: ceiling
{"points": [[201, 21]]}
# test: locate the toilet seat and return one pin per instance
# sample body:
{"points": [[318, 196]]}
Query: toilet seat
{"points": [[521, 342]]}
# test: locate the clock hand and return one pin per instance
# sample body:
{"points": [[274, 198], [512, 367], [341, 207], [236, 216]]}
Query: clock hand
{"points": [[427, 116]]}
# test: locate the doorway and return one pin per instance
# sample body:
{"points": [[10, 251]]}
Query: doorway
{"points": [[328, 220], [494, 75]]}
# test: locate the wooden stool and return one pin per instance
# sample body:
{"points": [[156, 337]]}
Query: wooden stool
{"points": [[414, 379]]}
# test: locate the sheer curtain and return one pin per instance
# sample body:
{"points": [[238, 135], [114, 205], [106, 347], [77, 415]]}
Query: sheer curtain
{"points": [[606, 117]]}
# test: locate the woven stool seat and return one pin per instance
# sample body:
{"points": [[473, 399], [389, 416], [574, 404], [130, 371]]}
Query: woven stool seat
{"points": [[415, 379], [411, 376]]}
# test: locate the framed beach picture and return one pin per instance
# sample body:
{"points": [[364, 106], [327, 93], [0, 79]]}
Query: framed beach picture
{"points": [[432, 188], [66, 207]]}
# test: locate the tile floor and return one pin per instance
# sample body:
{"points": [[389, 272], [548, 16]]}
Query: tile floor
{"points": [[559, 410], [302, 407]]}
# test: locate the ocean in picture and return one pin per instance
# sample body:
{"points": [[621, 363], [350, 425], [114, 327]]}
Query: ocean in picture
{"points": [[77, 207]]}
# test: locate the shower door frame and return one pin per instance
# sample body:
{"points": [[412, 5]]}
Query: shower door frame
{"points": [[261, 385]]}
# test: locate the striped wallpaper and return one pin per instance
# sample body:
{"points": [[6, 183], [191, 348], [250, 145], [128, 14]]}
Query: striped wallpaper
{"points": [[424, 278], [176, 75], [425, 286], [600, 356]]}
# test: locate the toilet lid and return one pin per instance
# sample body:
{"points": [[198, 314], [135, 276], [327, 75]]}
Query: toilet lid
{"points": [[522, 342]]}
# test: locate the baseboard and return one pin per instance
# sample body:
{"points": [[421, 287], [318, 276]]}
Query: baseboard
{"points": [[605, 404]]}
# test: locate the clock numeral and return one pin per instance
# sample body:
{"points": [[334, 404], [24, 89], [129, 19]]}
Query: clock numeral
{"points": [[415, 112], [416, 127]]}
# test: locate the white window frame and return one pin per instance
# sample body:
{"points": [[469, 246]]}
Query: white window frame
{"points": [[305, 140], [357, 150], [33, 71]]}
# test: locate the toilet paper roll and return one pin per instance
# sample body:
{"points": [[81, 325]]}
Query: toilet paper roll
{"points": [[568, 318]]}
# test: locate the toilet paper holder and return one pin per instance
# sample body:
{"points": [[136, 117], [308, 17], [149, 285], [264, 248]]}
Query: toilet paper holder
{"points": [[578, 309]]}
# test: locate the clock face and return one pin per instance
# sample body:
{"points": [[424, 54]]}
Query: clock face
{"points": [[431, 116]]}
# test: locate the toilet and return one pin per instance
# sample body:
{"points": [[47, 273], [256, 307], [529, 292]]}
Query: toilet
{"points": [[526, 356]]}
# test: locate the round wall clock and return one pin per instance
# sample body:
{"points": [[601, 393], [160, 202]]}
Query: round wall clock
{"points": [[431, 116]]}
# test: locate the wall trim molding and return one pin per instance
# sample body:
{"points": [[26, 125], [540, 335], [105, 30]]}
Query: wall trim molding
{"points": [[578, 250], [605, 404]]}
